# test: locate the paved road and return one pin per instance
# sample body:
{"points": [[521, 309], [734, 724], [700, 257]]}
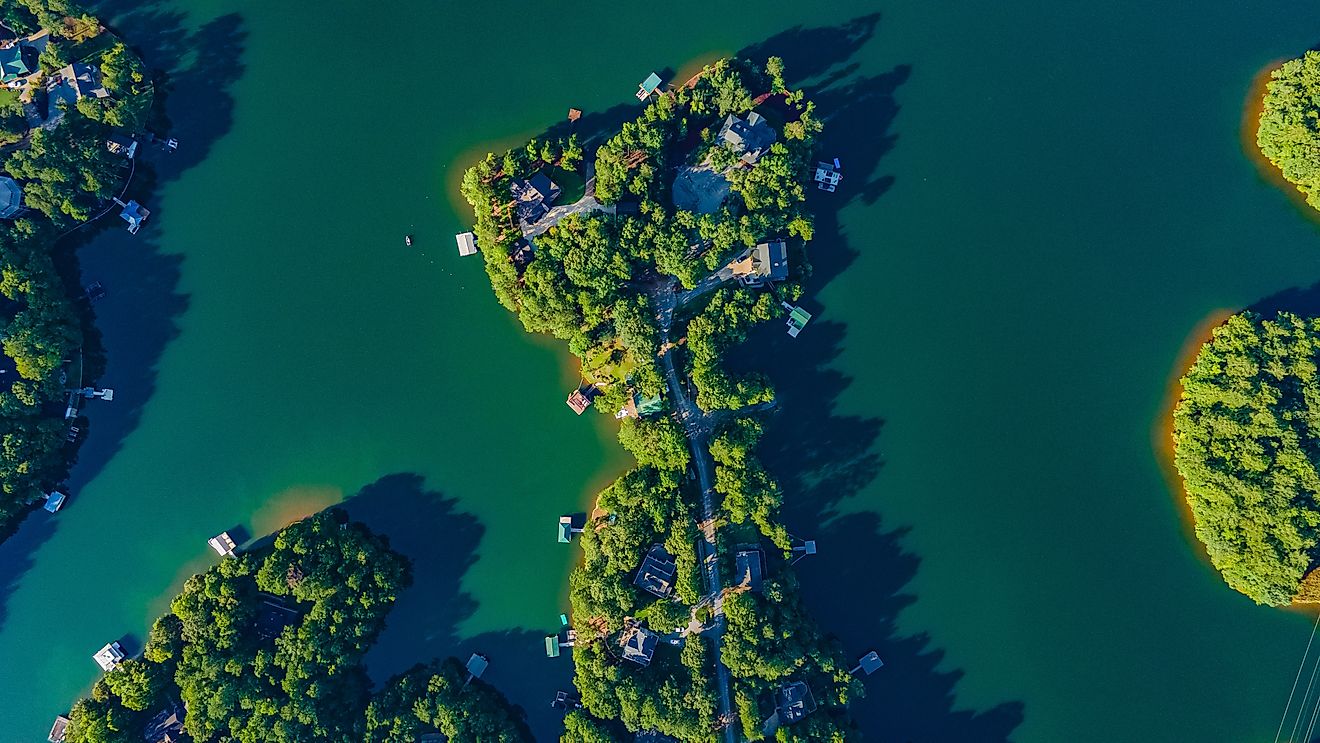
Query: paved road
{"points": [[698, 426]]}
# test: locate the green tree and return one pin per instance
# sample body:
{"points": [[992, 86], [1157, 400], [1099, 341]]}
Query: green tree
{"points": [[1245, 430], [1289, 129]]}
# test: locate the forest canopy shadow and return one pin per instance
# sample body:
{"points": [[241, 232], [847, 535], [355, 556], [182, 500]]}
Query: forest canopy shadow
{"points": [[859, 582], [441, 541]]}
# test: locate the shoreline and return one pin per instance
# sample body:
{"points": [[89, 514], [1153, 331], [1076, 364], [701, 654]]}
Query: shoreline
{"points": [[1268, 171]]}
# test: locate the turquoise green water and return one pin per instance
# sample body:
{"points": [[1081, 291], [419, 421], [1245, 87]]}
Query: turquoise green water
{"points": [[1041, 202]]}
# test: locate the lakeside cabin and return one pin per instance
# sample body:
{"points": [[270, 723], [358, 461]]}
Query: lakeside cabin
{"points": [[55, 500], [656, 573], [58, 730], [648, 86], [223, 544], [467, 243], [109, 656], [793, 702]]}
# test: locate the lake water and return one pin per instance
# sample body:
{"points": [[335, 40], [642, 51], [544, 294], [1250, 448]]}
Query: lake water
{"points": [[1041, 202]]}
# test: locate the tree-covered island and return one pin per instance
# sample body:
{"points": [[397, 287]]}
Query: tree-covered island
{"points": [[1247, 436], [1288, 132], [267, 647], [691, 231], [71, 95]]}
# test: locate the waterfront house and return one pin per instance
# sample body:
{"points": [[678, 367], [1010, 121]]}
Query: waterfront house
{"points": [[639, 645], [648, 86], [794, 701], [72, 83], [223, 544], [656, 573], [109, 656], [749, 137], [11, 197], [122, 143], [467, 243], [57, 731], [749, 568], [18, 62], [165, 727], [135, 214], [761, 265], [522, 254]]}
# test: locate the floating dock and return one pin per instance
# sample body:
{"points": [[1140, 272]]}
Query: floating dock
{"points": [[223, 544]]}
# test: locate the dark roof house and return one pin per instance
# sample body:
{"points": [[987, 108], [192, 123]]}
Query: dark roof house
{"points": [[749, 568], [535, 196], [166, 727], [749, 137], [11, 197], [794, 701], [656, 573], [639, 645], [762, 264]]}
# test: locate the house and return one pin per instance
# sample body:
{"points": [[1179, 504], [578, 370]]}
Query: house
{"points": [[534, 197], [522, 254], [749, 137], [762, 264], [794, 701], [639, 645], [58, 729], [11, 197], [749, 568], [274, 616], [656, 573], [640, 406], [135, 214], [467, 243], [71, 84], [223, 544], [165, 727], [109, 656], [17, 62], [648, 86], [122, 143], [579, 402]]}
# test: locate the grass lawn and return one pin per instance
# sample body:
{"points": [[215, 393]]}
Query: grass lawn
{"points": [[571, 184], [8, 98]]}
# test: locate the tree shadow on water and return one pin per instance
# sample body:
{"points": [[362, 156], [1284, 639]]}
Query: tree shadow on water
{"points": [[859, 582], [442, 542]]}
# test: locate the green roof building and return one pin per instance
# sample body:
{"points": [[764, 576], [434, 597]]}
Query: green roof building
{"points": [[19, 60]]}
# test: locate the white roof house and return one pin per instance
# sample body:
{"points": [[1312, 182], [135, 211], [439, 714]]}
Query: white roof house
{"points": [[467, 243]]}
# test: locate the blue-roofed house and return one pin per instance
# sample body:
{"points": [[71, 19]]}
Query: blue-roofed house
{"points": [[11, 197]]}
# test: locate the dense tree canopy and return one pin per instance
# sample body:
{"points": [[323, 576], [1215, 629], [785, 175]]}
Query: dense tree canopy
{"points": [[1289, 129], [1246, 432], [267, 647]]}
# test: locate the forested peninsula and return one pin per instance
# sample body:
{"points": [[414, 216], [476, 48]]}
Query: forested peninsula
{"points": [[267, 646], [1288, 132], [691, 231], [1247, 436], [60, 170]]}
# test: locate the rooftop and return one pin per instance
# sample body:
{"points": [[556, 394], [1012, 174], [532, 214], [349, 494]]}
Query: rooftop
{"points": [[656, 573], [794, 701], [57, 730], [11, 197], [109, 656], [467, 243], [751, 136], [749, 568], [579, 402], [639, 645]]}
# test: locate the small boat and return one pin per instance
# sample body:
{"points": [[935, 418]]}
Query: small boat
{"points": [[407, 240]]}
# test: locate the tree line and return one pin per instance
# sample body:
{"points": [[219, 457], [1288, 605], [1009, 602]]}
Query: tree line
{"points": [[268, 646]]}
